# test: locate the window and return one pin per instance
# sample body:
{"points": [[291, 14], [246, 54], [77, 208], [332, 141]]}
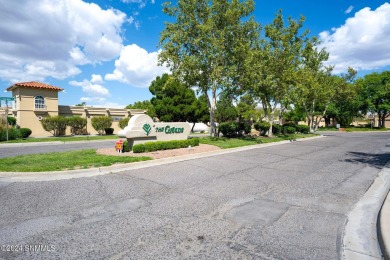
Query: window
{"points": [[40, 102]]}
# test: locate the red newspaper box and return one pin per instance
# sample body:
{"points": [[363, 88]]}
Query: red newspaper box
{"points": [[119, 146]]}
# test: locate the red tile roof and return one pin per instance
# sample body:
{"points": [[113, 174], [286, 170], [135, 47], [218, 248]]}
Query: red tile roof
{"points": [[34, 84]]}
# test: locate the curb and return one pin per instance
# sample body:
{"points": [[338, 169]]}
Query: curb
{"points": [[384, 228], [64, 175], [360, 239]]}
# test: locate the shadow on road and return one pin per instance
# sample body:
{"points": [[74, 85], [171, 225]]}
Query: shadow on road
{"points": [[372, 159]]}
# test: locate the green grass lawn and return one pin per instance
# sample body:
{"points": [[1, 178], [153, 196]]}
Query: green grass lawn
{"points": [[328, 129], [64, 139], [364, 129], [353, 129], [62, 161], [84, 159], [225, 143]]}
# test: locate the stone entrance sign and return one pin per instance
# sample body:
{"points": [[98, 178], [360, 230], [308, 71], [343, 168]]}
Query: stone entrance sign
{"points": [[141, 129]]}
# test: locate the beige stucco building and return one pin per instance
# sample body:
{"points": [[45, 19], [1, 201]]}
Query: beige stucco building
{"points": [[35, 100]]}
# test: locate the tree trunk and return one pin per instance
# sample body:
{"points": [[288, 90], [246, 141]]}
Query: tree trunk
{"points": [[269, 115], [212, 105], [327, 121], [318, 120], [192, 129], [271, 121], [310, 118]]}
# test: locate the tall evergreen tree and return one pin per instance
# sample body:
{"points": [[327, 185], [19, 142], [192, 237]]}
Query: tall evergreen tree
{"points": [[146, 105], [174, 102]]}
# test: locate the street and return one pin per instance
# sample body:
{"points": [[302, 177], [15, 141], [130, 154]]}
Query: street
{"points": [[34, 148], [287, 201]]}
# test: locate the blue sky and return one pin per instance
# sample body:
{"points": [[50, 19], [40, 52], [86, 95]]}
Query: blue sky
{"points": [[104, 52]]}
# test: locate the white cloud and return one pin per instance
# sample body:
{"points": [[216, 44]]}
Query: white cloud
{"points": [[141, 3], [136, 67], [363, 42], [61, 33], [349, 9], [78, 56], [92, 87], [96, 78], [89, 100], [100, 102]]}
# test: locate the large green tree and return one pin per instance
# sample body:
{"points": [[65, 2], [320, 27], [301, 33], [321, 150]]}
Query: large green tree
{"points": [[146, 105], [346, 104], [315, 87], [375, 91], [206, 44], [173, 101], [225, 110], [246, 109], [269, 70], [199, 112]]}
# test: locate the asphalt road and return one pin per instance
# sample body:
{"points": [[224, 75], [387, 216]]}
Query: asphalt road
{"points": [[34, 148], [281, 202]]}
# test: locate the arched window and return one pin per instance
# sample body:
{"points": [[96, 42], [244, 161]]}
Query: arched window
{"points": [[40, 102]]}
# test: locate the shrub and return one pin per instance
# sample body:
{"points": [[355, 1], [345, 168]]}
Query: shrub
{"points": [[109, 131], [100, 123], [229, 129], [244, 127], [25, 132], [304, 129], [194, 141], [13, 134], [138, 148], [126, 147], [289, 130], [54, 124], [290, 125], [2, 120], [77, 124], [276, 129], [155, 146], [124, 122], [12, 121], [262, 127], [234, 129]]}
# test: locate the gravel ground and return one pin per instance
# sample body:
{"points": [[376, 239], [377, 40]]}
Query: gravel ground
{"points": [[164, 153]]}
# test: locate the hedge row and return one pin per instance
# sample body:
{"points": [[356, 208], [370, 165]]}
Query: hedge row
{"points": [[291, 128], [14, 133], [234, 129], [287, 128], [155, 146]]}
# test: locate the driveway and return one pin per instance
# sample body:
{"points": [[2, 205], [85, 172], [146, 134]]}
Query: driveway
{"points": [[287, 201]]}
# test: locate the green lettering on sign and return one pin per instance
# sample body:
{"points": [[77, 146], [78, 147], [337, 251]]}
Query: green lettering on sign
{"points": [[147, 128], [173, 130]]}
